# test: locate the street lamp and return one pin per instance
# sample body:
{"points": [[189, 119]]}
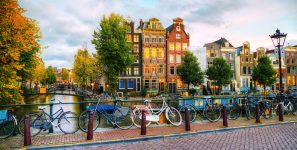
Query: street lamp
{"points": [[278, 40]]}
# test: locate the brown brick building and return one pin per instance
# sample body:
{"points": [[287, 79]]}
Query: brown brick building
{"points": [[177, 44], [153, 55]]}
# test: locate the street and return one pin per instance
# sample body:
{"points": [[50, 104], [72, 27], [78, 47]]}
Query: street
{"points": [[273, 137]]}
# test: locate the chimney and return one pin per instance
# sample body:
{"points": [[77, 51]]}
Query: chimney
{"points": [[140, 24]]}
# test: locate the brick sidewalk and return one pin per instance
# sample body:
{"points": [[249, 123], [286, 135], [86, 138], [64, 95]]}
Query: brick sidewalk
{"points": [[62, 139]]}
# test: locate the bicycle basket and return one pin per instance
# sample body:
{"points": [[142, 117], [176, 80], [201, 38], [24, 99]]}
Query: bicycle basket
{"points": [[3, 116], [122, 111]]}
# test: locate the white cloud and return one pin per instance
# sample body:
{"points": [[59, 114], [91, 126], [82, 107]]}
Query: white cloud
{"points": [[66, 25]]}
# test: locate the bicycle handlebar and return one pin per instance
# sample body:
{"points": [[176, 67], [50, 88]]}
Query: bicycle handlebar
{"points": [[52, 100]]}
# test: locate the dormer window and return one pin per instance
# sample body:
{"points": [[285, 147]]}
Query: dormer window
{"points": [[226, 44]]}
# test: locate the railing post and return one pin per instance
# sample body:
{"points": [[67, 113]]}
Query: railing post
{"points": [[27, 135], [90, 126], [225, 119], [187, 119], [280, 112], [258, 113], [51, 114], [143, 123]]}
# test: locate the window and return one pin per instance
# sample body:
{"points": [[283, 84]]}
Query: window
{"points": [[178, 46], [171, 46], [161, 53], [178, 36], [178, 58], [161, 69], [129, 38], [136, 70], [154, 39], [246, 59], [128, 71], [147, 39], [185, 46], [136, 59], [230, 56], [293, 61], [146, 53], [293, 70], [288, 61], [250, 70], [212, 54], [171, 58], [128, 29], [154, 53], [136, 38], [146, 84], [147, 69], [135, 48], [122, 84], [161, 39], [171, 70], [153, 68], [154, 84], [243, 70], [288, 69], [130, 83], [154, 25]]}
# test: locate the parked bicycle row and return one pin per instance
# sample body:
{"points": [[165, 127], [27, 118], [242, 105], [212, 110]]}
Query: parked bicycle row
{"points": [[124, 117]]}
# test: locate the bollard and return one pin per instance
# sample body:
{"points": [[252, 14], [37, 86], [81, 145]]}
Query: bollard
{"points": [[225, 120], [51, 130], [258, 113], [90, 126], [27, 135], [143, 123], [280, 112], [187, 119]]}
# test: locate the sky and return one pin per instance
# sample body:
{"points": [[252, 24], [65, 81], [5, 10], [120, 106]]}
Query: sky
{"points": [[68, 25]]}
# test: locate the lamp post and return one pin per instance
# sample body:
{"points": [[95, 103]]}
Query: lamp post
{"points": [[278, 40]]}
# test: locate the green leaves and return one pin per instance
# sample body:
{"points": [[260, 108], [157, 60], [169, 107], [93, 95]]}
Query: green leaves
{"points": [[49, 76], [263, 72], [189, 70], [220, 72], [112, 47]]}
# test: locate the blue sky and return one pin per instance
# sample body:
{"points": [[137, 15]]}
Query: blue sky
{"points": [[69, 24]]}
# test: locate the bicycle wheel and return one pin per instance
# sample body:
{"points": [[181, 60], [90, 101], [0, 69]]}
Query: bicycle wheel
{"points": [[68, 122], [123, 118], [250, 112], [36, 124], [233, 112], [173, 116], [191, 110], [8, 127], [137, 116], [83, 120], [212, 113], [266, 113]]}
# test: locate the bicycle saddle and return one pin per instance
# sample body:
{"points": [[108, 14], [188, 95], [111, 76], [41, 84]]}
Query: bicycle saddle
{"points": [[41, 107]]}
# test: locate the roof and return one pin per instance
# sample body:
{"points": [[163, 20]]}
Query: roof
{"points": [[222, 42], [169, 29]]}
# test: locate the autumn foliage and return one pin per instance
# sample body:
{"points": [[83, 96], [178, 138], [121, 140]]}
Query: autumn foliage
{"points": [[19, 44]]}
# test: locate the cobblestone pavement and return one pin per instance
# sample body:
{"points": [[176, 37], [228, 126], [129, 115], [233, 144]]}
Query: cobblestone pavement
{"points": [[273, 137], [62, 139]]}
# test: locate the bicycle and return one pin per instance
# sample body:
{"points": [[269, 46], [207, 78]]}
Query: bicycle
{"points": [[250, 108], [118, 116], [67, 121], [153, 114], [287, 107], [8, 123]]}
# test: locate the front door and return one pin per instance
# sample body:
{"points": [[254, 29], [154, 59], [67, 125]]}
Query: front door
{"points": [[172, 87], [161, 87]]}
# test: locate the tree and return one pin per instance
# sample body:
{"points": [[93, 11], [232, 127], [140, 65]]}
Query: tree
{"points": [[39, 71], [112, 47], [220, 72], [65, 74], [82, 67], [189, 70], [49, 76], [264, 73], [19, 42]]}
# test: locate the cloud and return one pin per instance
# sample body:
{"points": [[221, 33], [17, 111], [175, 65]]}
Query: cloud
{"points": [[69, 24]]}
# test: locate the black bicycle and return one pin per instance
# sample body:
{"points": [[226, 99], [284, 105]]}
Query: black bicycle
{"points": [[250, 107], [118, 116], [67, 121], [8, 123]]}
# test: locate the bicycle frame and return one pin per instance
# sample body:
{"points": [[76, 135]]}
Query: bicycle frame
{"points": [[50, 118], [105, 114], [158, 111]]}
